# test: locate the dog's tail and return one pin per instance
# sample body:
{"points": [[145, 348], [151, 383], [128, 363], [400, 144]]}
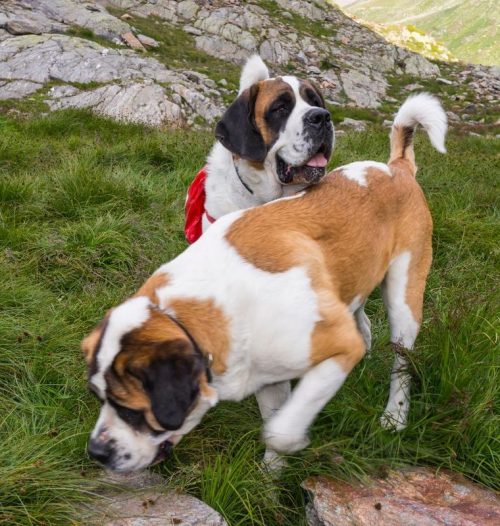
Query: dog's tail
{"points": [[423, 109]]}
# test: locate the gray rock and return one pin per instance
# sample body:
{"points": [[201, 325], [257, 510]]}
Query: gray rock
{"points": [[413, 86], [414, 497], [148, 41], [22, 27], [17, 89], [452, 117], [142, 499], [273, 51], [444, 81], [356, 125], [363, 90], [419, 66], [155, 509], [134, 102]]}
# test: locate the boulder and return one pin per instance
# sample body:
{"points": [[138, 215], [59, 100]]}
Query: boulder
{"points": [[411, 497]]}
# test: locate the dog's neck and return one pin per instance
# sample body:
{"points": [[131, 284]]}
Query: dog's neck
{"points": [[235, 184]]}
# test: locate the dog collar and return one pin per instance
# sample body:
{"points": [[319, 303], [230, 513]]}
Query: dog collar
{"points": [[195, 207], [241, 179], [207, 358]]}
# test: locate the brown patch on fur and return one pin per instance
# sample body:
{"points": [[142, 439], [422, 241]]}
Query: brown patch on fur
{"points": [[91, 342], [151, 285], [208, 325], [344, 235], [269, 91]]}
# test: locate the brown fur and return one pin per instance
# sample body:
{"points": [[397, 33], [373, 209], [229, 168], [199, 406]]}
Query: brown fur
{"points": [[268, 92], [151, 285], [208, 325], [345, 235]]}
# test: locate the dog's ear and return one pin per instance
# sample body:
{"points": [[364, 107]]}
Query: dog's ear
{"points": [[172, 383], [237, 130]]}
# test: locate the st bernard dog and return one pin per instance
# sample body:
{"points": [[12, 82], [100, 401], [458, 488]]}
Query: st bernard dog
{"points": [[267, 295]]}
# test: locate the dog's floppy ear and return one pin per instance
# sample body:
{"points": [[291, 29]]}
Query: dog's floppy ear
{"points": [[172, 383], [237, 131]]}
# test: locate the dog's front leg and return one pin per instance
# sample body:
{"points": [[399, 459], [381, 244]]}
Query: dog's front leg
{"points": [[270, 399], [286, 431]]}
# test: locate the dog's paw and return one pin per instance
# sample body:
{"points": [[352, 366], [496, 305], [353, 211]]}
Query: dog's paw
{"points": [[273, 462], [283, 441], [393, 421]]}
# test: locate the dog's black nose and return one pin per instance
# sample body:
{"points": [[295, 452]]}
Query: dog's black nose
{"points": [[100, 451], [317, 117]]}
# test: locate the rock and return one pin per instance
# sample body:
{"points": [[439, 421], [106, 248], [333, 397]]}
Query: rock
{"points": [[363, 90], [413, 87], [132, 41], [133, 102], [452, 117], [155, 509], [17, 89], [356, 125], [419, 66], [413, 497], [444, 81], [36, 59], [22, 27], [141, 499], [192, 30], [148, 41], [126, 16]]}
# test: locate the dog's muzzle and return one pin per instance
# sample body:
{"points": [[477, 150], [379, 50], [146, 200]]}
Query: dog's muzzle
{"points": [[319, 128]]}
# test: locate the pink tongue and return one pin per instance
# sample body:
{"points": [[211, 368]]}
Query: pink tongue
{"points": [[318, 160]]}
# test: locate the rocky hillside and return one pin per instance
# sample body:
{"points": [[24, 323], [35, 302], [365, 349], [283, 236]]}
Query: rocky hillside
{"points": [[176, 63], [469, 29]]}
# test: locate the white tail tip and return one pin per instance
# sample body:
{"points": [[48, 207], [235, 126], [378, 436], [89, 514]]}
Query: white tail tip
{"points": [[426, 110]]}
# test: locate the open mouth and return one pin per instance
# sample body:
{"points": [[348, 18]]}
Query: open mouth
{"points": [[164, 451], [309, 172]]}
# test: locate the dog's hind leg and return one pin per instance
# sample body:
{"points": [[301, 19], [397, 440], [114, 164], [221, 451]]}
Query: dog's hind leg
{"points": [[403, 290], [270, 399], [364, 326]]}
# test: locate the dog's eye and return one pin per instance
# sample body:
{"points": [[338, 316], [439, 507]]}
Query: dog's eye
{"points": [[130, 416], [281, 108], [313, 98]]}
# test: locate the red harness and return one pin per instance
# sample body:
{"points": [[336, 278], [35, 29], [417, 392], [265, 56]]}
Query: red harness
{"points": [[195, 207]]}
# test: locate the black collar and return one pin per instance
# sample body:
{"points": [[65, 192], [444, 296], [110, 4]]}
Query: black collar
{"points": [[241, 180], [207, 358]]}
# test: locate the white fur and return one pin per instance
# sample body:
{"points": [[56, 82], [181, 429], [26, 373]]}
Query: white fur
{"points": [[132, 450], [404, 330], [253, 71], [426, 110], [126, 317], [269, 339], [286, 432], [357, 171]]}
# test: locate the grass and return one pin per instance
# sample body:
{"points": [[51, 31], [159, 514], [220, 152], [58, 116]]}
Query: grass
{"points": [[89, 208]]}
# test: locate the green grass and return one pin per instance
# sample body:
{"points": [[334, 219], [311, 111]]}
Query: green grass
{"points": [[89, 208]]}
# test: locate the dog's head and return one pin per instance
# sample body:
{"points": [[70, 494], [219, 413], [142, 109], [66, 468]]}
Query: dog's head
{"points": [[151, 382], [281, 123]]}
